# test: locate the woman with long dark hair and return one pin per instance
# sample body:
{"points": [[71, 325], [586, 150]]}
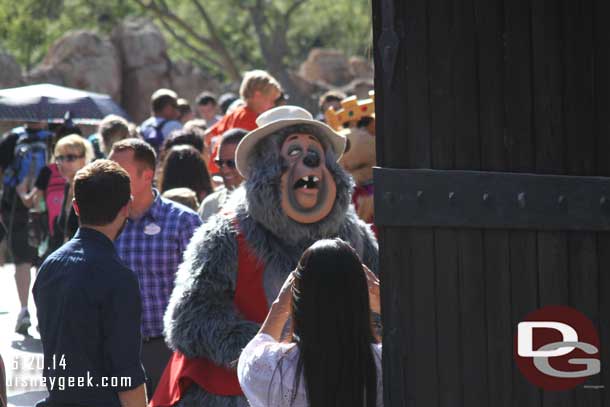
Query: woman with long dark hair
{"points": [[184, 168], [331, 357]]}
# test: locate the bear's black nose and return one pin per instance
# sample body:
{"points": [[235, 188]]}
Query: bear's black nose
{"points": [[312, 159]]}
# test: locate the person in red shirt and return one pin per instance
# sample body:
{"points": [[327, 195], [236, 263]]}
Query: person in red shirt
{"points": [[259, 90]]}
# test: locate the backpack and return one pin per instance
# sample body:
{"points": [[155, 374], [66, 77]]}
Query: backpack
{"points": [[30, 156], [155, 137]]}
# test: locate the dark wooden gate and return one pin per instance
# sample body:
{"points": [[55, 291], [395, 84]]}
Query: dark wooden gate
{"points": [[470, 89]]}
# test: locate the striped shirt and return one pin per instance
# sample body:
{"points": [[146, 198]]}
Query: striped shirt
{"points": [[152, 246]]}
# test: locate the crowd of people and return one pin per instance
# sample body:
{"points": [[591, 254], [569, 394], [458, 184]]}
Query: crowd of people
{"points": [[106, 220]]}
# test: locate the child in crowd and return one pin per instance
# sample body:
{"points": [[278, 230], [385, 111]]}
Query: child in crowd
{"points": [[259, 90]]}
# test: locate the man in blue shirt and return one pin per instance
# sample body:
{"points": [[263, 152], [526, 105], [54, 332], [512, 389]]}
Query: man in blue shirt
{"points": [[164, 119], [88, 302], [152, 245]]}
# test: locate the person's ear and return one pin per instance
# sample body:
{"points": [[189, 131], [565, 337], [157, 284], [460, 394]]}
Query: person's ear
{"points": [[148, 175], [75, 206]]}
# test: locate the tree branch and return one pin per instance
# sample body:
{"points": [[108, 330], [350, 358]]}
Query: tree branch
{"points": [[168, 15], [214, 43], [293, 7], [201, 53], [281, 30], [208, 21], [230, 65], [258, 20]]}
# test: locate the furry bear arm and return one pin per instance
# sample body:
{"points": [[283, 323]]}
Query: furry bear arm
{"points": [[201, 320]]}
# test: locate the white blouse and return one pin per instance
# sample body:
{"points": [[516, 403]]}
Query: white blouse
{"points": [[266, 371]]}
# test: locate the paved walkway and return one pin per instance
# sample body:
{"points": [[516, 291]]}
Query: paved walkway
{"points": [[22, 355]]}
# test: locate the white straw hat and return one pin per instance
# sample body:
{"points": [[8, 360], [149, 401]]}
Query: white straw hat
{"points": [[277, 118]]}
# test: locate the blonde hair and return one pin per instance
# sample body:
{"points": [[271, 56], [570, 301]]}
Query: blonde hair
{"points": [[75, 142], [257, 80]]}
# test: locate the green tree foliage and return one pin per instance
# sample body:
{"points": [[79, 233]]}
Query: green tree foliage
{"points": [[19, 32], [343, 25], [340, 24], [229, 36], [224, 37], [29, 27]]}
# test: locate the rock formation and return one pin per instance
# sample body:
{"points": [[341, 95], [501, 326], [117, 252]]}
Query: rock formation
{"points": [[326, 65], [134, 62], [10, 71], [84, 60], [145, 64]]}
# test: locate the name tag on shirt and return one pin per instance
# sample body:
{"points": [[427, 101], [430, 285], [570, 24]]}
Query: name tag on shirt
{"points": [[152, 229]]}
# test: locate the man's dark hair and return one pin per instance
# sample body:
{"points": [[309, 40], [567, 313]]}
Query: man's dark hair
{"points": [[225, 101], [113, 128], [101, 189], [159, 104], [233, 136], [65, 130], [193, 136], [333, 95], [205, 98], [142, 151]]}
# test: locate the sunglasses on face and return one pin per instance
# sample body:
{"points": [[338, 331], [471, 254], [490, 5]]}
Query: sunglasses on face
{"points": [[68, 158], [228, 163]]}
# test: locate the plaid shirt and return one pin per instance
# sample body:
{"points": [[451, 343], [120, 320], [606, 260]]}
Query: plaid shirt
{"points": [[152, 246]]}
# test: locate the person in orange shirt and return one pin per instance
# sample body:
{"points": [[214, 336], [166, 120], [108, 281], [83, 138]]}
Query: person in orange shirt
{"points": [[259, 90]]}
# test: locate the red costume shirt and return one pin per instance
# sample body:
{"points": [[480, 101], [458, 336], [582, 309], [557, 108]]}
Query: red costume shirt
{"points": [[181, 372]]}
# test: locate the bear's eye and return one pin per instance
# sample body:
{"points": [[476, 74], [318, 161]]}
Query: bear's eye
{"points": [[294, 152]]}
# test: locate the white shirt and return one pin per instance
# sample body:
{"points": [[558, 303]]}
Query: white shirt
{"points": [[264, 385], [213, 203]]}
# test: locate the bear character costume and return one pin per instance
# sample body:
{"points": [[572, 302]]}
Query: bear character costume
{"points": [[294, 194]]}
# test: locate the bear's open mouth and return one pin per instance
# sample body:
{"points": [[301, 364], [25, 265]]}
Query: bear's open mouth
{"points": [[307, 182]]}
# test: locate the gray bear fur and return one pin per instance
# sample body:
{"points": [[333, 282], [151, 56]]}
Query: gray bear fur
{"points": [[201, 320]]}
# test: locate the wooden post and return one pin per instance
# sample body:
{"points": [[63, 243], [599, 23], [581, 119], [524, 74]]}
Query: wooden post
{"points": [[519, 86]]}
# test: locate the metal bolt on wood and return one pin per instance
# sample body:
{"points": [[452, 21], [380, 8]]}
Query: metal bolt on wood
{"points": [[388, 196], [521, 199]]}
